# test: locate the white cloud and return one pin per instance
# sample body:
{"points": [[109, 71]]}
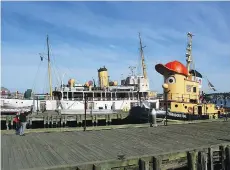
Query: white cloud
{"points": [[164, 42]]}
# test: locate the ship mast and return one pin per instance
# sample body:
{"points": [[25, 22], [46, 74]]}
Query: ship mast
{"points": [[189, 50], [142, 58], [49, 69]]}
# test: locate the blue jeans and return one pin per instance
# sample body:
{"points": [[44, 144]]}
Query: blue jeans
{"points": [[17, 128], [22, 128]]}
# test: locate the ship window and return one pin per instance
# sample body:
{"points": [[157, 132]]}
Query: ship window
{"points": [[176, 105], [194, 89], [78, 95], [70, 94], [185, 107], [65, 95]]}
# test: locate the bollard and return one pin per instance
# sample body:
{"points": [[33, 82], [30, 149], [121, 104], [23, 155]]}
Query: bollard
{"points": [[153, 121]]}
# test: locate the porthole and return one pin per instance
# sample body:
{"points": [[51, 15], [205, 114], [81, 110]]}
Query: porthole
{"points": [[176, 105], [185, 107]]}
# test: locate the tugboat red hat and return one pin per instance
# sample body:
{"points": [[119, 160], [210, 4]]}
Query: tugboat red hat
{"points": [[174, 66]]}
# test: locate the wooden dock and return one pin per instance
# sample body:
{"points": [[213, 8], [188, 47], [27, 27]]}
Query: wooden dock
{"points": [[184, 146]]}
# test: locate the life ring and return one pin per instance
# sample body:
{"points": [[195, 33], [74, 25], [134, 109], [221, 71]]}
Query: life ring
{"points": [[190, 110]]}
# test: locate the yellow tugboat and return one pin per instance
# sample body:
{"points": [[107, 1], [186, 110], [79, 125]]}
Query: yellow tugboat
{"points": [[182, 91]]}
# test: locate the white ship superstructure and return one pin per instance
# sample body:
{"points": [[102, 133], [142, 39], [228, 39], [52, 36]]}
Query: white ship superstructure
{"points": [[106, 97]]}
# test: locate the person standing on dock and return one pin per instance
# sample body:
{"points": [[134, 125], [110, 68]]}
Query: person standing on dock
{"points": [[17, 124], [23, 122]]}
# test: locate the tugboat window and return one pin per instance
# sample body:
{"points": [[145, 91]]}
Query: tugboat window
{"points": [[194, 89], [176, 105], [185, 107]]}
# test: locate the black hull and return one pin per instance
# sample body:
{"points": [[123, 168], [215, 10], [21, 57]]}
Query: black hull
{"points": [[137, 115], [182, 116], [142, 115]]}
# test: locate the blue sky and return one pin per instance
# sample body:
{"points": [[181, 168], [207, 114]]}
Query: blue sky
{"points": [[85, 36]]}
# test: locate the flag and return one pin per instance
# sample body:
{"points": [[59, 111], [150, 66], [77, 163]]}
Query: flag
{"points": [[211, 86]]}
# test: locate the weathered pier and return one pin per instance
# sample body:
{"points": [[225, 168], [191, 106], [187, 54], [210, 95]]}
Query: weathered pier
{"points": [[200, 146]]}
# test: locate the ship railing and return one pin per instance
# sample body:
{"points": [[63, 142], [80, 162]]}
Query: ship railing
{"points": [[181, 97], [107, 98]]}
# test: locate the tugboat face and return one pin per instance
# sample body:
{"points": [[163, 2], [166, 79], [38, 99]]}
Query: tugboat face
{"points": [[175, 82]]}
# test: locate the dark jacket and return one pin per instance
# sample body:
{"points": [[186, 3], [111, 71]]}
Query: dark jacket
{"points": [[22, 117]]}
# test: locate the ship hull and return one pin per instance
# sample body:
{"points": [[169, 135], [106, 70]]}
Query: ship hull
{"points": [[142, 115]]}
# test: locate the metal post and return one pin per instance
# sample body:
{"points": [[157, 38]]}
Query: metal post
{"points": [[166, 107], [37, 105], [85, 111]]}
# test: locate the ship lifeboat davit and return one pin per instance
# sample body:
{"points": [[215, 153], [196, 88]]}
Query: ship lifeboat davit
{"points": [[174, 66], [71, 82]]}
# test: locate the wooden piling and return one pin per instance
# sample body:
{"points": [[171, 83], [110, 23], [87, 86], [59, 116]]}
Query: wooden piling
{"points": [[222, 156], [192, 160], [65, 120], [48, 121], [210, 159], [157, 162], [227, 153], [143, 164], [203, 161], [52, 121]]}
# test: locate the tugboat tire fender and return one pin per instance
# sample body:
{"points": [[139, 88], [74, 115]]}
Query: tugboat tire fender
{"points": [[190, 109]]}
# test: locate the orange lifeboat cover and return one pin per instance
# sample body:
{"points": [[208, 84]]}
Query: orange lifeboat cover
{"points": [[174, 66]]}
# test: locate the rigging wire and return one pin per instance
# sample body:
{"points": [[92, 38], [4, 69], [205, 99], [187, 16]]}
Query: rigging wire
{"points": [[53, 62], [33, 87], [46, 79], [54, 72]]}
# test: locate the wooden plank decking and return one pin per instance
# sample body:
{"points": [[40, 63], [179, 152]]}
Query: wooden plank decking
{"points": [[60, 148]]}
